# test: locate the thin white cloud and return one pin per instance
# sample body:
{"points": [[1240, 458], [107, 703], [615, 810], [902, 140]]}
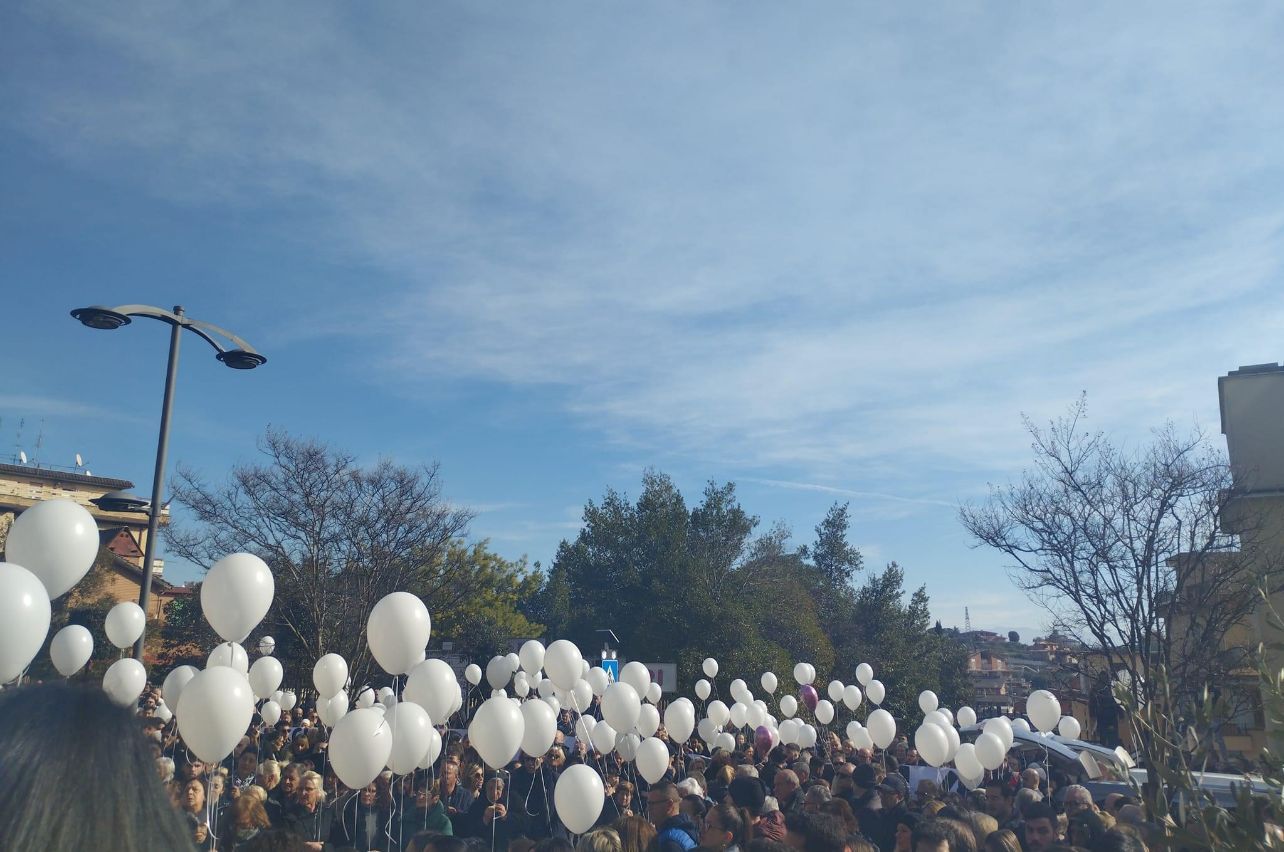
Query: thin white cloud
{"points": [[848, 246]]}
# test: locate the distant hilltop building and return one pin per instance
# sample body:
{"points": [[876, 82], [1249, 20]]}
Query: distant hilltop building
{"points": [[121, 519]]}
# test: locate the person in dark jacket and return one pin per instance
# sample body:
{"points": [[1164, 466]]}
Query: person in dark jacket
{"points": [[893, 792], [364, 820], [488, 816], [306, 816], [428, 813], [675, 832]]}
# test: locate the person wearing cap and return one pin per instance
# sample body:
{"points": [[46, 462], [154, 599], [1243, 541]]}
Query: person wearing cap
{"points": [[748, 793], [891, 793]]}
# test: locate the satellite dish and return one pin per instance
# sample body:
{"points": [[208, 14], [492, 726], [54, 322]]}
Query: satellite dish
{"points": [[79, 462], [87, 473], [22, 457]]}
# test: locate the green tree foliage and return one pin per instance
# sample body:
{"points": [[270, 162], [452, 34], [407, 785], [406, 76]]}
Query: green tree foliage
{"points": [[681, 584], [484, 621]]}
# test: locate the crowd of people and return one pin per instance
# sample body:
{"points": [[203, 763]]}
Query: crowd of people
{"points": [[278, 792]]}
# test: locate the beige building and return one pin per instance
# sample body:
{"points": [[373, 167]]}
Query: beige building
{"points": [[123, 532], [1252, 415]]}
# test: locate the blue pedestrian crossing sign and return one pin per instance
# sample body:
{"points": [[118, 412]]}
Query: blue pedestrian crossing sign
{"points": [[612, 669]]}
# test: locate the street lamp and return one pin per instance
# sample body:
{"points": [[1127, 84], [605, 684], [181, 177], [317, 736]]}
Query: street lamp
{"points": [[239, 356]]}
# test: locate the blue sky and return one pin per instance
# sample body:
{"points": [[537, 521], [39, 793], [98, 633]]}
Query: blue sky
{"points": [[829, 251]]}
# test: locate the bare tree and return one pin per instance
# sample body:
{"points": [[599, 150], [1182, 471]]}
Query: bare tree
{"points": [[1127, 551], [337, 536]]}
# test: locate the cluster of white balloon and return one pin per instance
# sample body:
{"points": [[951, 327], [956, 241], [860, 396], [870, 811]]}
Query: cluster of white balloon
{"points": [[55, 544]]}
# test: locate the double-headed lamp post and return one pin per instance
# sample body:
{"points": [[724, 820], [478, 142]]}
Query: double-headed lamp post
{"points": [[239, 356]]}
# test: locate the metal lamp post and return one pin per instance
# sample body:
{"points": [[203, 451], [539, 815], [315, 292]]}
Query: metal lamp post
{"points": [[239, 356]]}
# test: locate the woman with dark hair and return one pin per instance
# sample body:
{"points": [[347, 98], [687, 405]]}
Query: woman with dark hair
{"points": [[905, 825], [726, 828], [75, 741]]}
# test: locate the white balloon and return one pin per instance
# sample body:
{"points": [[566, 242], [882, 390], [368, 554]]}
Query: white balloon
{"points": [[709, 667], [1045, 712], [531, 656], [725, 741], [1001, 727], [875, 691], [409, 725], [652, 759], [824, 712], [1069, 728], [788, 706], [738, 689], [498, 672], [654, 692], [936, 717], [789, 731], [636, 675], [768, 682], [739, 715], [800, 674], [71, 648], [1020, 726], [540, 728], [387, 697], [863, 739], [864, 674], [521, 688], [332, 709], [367, 696], [125, 623], [473, 674], [163, 712], [124, 681], [702, 689], [582, 694], [265, 676], [679, 720], [172, 689], [852, 727], [360, 746], [881, 727], [514, 662], [621, 706], [852, 696], [806, 736], [757, 714], [236, 594], [648, 720], [990, 750], [708, 730], [578, 798], [231, 655], [432, 685], [966, 761], [966, 717], [927, 701], [288, 700], [267, 645], [949, 716], [597, 680], [434, 749], [584, 726], [214, 710], [562, 664], [811, 673], [626, 745], [603, 737], [329, 675], [552, 701], [718, 712], [496, 731], [271, 713], [397, 630], [952, 736], [57, 541], [835, 690]]}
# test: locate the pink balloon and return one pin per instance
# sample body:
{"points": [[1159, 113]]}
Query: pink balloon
{"points": [[809, 696]]}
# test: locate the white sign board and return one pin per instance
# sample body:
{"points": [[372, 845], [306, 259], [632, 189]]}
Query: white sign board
{"points": [[665, 674]]}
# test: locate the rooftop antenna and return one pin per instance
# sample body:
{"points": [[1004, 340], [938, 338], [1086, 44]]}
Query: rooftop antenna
{"points": [[17, 441], [40, 442], [967, 621]]}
